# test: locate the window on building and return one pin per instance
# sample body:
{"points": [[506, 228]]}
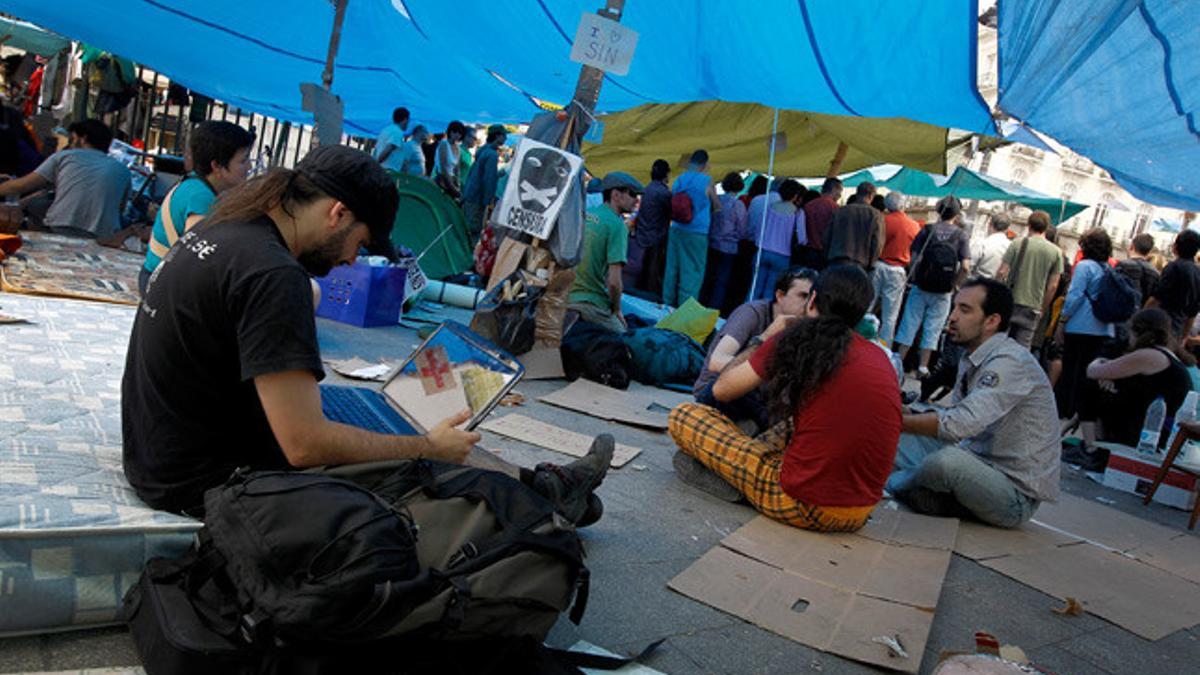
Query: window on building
{"points": [[1019, 175], [1101, 210], [1144, 213], [1069, 190]]}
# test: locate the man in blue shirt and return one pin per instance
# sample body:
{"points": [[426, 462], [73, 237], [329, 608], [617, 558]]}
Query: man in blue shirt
{"points": [[220, 153], [480, 190], [687, 243]]}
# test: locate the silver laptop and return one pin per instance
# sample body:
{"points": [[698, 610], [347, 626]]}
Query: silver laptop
{"points": [[453, 369]]}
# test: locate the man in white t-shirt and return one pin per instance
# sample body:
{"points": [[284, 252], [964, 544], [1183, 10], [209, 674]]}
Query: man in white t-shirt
{"points": [[390, 144], [988, 253]]}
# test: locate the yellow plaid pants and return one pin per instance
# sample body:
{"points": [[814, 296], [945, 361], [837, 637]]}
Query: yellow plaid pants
{"points": [[752, 465]]}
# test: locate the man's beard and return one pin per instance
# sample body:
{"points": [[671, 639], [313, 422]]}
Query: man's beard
{"points": [[322, 259]]}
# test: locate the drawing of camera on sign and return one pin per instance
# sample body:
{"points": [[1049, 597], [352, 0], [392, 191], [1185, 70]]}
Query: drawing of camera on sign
{"points": [[537, 186]]}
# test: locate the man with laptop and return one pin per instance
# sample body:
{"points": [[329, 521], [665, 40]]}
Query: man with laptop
{"points": [[223, 359]]}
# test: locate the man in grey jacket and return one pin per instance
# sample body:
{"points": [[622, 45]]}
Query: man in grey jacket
{"points": [[993, 453]]}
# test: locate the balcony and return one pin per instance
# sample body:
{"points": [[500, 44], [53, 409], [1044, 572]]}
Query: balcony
{"points": [[1028, 151], [1080, 165]]}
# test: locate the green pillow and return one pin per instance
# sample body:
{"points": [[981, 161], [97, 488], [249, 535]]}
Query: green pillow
{"points": [[692, 319]]}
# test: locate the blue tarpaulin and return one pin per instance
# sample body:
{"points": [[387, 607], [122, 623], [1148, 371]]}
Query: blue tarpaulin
{"points": [[480, 60], [1115, 80]]}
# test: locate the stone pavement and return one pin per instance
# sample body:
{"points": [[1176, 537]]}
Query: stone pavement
{"points": [[654, 527]]}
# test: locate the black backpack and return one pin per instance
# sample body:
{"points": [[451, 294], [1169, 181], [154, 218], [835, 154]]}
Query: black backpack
{"points": [[1113, 296], [594, 352], [937, 264], [291, 562]]}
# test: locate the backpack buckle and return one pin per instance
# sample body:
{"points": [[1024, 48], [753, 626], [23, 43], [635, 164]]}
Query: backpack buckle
{"points": [[464, 553]]}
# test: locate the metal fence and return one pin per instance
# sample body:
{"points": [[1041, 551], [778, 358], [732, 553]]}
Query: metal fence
{"points": [[162, 118]]}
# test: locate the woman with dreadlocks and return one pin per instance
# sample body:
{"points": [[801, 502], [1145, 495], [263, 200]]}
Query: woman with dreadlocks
{"points": [[836, 404]]}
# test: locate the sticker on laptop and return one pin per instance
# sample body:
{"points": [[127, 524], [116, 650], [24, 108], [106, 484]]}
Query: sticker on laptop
{"points": [[433, 367]]}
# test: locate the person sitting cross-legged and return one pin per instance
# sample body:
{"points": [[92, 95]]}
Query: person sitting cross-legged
{"points": [[747, 329], [223, 361], [993, 453], [840, 395]]}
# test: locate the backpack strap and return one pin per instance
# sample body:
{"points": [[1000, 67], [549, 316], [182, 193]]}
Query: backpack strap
{"points": [[1012, 273], [912, 272], [600, 662]]}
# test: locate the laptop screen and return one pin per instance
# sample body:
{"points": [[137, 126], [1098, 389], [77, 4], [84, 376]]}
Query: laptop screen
{"points": [[453, 370]]}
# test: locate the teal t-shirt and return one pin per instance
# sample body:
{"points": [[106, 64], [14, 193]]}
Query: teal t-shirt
{"points": [[605, 242], [190, 197]]}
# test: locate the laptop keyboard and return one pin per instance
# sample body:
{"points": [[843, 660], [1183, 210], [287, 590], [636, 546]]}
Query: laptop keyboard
{"points": [[347, 405]]}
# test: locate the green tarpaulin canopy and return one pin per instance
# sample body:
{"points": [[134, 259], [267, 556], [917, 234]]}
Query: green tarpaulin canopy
{"points": [[967, 184], [738, 136], [912, 182], [26, 36]]}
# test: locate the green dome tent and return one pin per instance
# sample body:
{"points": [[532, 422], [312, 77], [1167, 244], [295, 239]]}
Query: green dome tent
{"points": [[432, 226]]}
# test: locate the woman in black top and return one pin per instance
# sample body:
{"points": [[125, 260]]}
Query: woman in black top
{"points": [[1130, 383]]}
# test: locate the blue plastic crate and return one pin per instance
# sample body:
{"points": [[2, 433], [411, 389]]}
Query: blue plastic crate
{"points": [[362, 295]]}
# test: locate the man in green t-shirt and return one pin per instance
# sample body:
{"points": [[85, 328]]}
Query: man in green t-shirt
{"points": [[220, 155], [1034, 265], [596, 292]]}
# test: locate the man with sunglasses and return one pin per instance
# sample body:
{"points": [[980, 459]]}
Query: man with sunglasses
{"points": [[596, 292], [749, 326]]}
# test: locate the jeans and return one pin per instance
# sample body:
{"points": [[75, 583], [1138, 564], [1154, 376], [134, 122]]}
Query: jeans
{"points": [[476, 216], [752, 406], [1024, 324], [686, 253], [770, 268], [938, 479], [929, 312], [889, 293], [717, 278]]}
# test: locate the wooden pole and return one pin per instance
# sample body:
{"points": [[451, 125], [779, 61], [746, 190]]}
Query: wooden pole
{"points": [[335, 39], [835, 165]]}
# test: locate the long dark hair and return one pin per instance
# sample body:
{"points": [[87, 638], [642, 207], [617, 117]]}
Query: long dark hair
{"points": [[256, 197], [811, 350], [1152, 328]]}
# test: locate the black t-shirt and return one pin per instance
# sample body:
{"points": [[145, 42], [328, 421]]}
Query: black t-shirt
{"points": [[1179, 293], [228, 303], [1142, 274]]}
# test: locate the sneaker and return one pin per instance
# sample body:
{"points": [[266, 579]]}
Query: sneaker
{"points": [[689, 470], [1094, 460], [570, 487], [922, 372]]}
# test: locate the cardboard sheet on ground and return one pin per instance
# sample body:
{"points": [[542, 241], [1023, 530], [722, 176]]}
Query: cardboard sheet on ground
{"points": [[833, 592], [543, 435], [1137, 597], [1131, 572], [639, 405]]}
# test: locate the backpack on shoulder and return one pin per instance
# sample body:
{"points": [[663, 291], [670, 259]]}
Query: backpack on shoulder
{"points": [[1113, 296], [681, 207], [301, 571], [937, 267]]}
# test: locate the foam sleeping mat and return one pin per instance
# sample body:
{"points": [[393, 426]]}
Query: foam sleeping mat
{"points": [[73, 535]]}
